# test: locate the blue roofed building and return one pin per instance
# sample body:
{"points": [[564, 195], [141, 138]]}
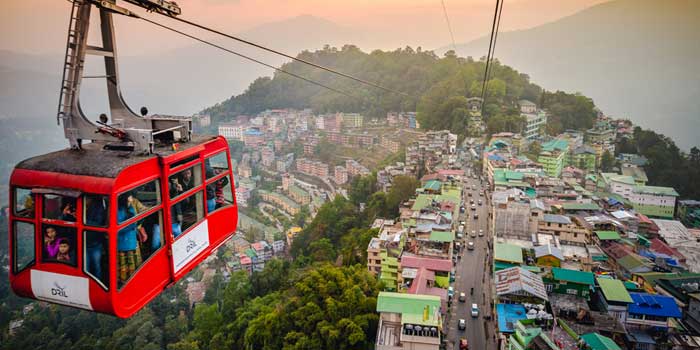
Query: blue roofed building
{"points": [[651, 311]]}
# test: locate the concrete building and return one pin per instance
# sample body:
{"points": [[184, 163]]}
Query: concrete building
{"points": [[242, 196], [654, 201], [267, 156], [355, 169], [340, 175], [408, 321], [313, 168], [554, 157], [298, 195], [253, 138], [352, 120], [232, 131], [281, 201], [565, 229]]}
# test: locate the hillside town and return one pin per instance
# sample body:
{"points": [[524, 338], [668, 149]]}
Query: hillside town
{"points": [[579, 251]]}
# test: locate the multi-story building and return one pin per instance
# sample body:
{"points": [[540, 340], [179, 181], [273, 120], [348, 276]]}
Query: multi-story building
{"points": [[584, 158], [565, 229], [614, 298], [618, 184], [654, 201], [340, 175], [355, 169], [535, 119], [392, 146], [554, 156], [408, 321], [298, 195], [232, 131], [352, 120], [253, 138], [267, 156], [374, 259], [242, 196], [281, 201], [320, 123], [313, 168], [689, 213], [651, 311]]}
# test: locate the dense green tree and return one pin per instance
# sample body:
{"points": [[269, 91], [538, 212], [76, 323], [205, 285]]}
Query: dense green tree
{"points": [[402, 188], [361, 188], [567, 111], [607, 162]]}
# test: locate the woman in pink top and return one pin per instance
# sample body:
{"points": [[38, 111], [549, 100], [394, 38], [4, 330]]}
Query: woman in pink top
{"points": [[50, 243]]}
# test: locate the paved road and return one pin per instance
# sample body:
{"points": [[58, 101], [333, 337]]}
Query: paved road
{"points": [[472, 272]]}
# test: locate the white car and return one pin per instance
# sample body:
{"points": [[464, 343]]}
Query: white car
{"points": [[475, 310], [470, 245], [481, 233], [462, 324]]}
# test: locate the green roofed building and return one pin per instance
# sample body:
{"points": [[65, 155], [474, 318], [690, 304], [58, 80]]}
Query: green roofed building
{"points": [[528, 336], [508, 253], [408, 321], [595, 341], [654, 201], [390, 272], [614, 297], [580, 207], [565, 281], [432, 186], [607, 235], [442, 236]]}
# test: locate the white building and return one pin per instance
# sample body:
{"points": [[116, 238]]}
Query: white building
{"points": [[534, 124], [232, 131]]}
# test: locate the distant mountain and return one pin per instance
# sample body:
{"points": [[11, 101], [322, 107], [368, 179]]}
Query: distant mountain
{"points": [[635, 58], [181, 81]]}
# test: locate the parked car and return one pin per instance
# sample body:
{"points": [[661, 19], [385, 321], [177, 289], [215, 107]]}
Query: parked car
{"points": [[462, 324], [473, 233], [476, 216], [475, 310], [462, 297], [470, 245], [481, 233], [450, 291]]}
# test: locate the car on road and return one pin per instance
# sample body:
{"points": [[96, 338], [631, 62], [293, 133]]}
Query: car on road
{"points": [[473, 207], [476, 216], [460, 236], [481, 233], [450, 291], [470, 245], [475, 310], [462, 324], [473, 233], [480, 202], [462, 297], [469, 194]]}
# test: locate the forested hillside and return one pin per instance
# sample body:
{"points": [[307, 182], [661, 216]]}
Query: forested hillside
{"points": [[437, 87]]}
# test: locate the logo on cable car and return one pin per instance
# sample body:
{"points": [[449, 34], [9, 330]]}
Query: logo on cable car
{"points": [[59, 291], [191, 244]]}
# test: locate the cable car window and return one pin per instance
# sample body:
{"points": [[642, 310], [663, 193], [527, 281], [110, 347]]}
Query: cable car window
{"points": [[185, 180], [136, 242], [187, 212], [59, 244], [23, 247], [95, 210], [96, 257], [57, 207], [24, 203], [219, 194], [216, 164], [138, 200]]}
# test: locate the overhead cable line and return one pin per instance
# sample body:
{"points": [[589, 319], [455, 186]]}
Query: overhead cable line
{"points": [[251, 59], [315, 65], [449, 26], [493, 51], [488, 55]]}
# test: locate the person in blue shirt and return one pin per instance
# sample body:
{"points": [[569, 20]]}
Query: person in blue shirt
{"points": [[128, 253], [96, 215]]}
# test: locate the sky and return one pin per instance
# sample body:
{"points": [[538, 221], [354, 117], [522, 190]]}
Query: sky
{"points": [[39, 26]]}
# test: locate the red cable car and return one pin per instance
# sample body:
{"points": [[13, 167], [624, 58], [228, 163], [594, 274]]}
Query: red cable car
{"points": [[111, 237], [108, 225]]}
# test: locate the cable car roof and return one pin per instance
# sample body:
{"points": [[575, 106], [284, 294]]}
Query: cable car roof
{"points": [[92, 160]]}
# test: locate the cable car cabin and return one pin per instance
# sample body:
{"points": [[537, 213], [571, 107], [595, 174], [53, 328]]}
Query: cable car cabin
{"points": [[108, 231]]}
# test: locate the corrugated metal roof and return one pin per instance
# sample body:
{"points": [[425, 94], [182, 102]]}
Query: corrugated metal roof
{"points": [[607, 235], [548, 249], [614, 290], [599, 342], [557, 219], [575, 276], [654, 305], [508, 252]]}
